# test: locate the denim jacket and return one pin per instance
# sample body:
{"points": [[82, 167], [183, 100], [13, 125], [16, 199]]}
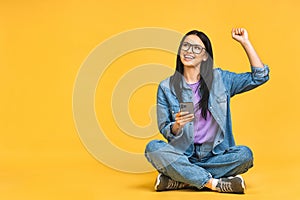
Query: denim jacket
{"points": [[224, 86]]}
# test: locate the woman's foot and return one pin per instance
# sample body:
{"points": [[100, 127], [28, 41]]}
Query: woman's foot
{"points": [[164, 182], [234, 184]]}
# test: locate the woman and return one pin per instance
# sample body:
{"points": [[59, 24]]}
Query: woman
{"points": [[201, 150]]}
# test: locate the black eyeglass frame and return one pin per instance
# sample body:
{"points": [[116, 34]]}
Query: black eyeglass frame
{"points": [[189, 45]]}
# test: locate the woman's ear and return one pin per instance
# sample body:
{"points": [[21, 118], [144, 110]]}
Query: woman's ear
{"points": [[205, 57]]}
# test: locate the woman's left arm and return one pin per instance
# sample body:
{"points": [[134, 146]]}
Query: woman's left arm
{"points": [[242, 82], [241, 35]]}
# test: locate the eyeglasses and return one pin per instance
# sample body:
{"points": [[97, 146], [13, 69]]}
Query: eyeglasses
{"points": [[195, 48]]}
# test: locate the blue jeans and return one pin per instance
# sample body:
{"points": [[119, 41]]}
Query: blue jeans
{"points": [[197, 169]]}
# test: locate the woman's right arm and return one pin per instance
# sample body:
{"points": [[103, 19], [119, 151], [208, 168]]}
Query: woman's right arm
{"points": [[167, 126], [164, 116]]}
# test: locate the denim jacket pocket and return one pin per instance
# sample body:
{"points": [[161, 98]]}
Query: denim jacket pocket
{"points": [[222, 103], [222, 99]]}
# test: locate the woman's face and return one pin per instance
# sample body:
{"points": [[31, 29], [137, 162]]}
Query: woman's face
{"points": [[192, 51]]}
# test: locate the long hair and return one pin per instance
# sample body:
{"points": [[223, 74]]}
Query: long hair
{"points": [[206, 72]]}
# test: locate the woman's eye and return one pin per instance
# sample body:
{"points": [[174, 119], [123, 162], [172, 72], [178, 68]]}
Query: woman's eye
{"points": [[197, 48]]}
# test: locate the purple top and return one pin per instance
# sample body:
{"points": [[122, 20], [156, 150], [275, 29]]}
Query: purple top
{"points": [[204, 130]]}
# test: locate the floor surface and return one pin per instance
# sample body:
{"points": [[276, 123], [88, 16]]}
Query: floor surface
{"points": [[77, 175]]}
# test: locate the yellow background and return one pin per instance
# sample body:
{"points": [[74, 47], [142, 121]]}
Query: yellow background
{"points": [[44, 43]]}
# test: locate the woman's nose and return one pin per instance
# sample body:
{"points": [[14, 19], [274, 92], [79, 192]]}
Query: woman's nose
{"points": [[190, 50]]}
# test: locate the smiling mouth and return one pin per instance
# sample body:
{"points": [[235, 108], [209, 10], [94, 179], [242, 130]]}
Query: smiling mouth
{"points": [[189, 57]]}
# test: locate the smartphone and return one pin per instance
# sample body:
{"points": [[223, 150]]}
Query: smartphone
{"points": [[187, 107]]}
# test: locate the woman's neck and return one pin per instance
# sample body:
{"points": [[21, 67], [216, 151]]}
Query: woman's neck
{"points": [[191, 74]]}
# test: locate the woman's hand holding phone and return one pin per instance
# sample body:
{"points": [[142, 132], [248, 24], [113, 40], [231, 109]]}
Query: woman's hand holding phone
{"points": [[181, 119]]}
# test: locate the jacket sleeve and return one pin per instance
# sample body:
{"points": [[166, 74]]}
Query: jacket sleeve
{"points": [[164, 115], [241, 82]]}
